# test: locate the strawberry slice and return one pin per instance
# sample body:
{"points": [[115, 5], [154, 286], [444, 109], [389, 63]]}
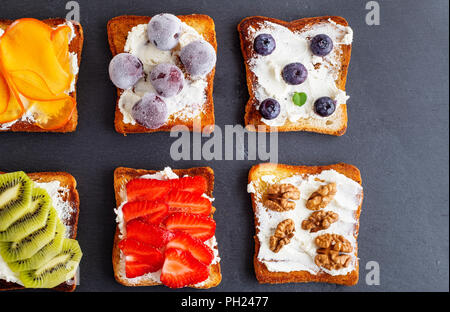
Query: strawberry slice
{"points": [[140, 258], [150, 234], [181, 269], [186, 242], [198, 226], [182, 201], [147, 189], [152, 211], [196, 184]]}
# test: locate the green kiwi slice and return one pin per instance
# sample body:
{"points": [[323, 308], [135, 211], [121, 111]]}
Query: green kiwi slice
{"points": [[44, 255], [33, 219], [15, 197], [56, 271], [26, 247]]}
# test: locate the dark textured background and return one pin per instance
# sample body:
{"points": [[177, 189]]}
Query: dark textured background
{"points": [[398, 136]]}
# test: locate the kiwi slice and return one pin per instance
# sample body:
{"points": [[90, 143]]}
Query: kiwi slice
{"points": [[15, 197], [44, 255], [56, 271], [33, 219], [26, 247]]}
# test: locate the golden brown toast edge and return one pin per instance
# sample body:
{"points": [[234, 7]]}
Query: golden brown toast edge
{"points": [[118, 28], [69, 182], [252, 116], [263, 275], [122, 176], [76, 46]]}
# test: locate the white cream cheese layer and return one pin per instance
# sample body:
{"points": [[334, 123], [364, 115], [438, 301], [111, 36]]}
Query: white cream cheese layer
{"points": [[299, 254], [73, 58], [165, 174], [187, 104], [292, 47], [64, 210]]}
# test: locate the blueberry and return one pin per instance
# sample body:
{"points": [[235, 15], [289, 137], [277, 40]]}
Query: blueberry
{"points": [[264, 44], [198, 57], [163, 31], [167, 79], [294, 73], [321, 45], [324, 106], [150, 111], [125, 70], [269, 109]]}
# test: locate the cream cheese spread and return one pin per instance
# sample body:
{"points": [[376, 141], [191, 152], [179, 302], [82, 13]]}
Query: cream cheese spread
{"points": [[291, 47], [187, 104], [64, 210], [299, 254], [165, 174], [73, 58]]}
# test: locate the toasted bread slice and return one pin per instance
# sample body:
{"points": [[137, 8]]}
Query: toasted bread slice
{"points": [[122, 176], [336, 124], [284, 171], [75, 46], [118, 29], [70, 220]]}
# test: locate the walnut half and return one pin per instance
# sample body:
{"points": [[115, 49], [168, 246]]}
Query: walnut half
{"points": [[329, 255], [282, 236], [280, 196], [319, 220], [322, 197]]}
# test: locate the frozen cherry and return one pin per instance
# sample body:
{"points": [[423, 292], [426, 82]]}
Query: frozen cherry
{"points": [[198, 57], [150, 111], [125, 70], [167, 79], [164, 31]]}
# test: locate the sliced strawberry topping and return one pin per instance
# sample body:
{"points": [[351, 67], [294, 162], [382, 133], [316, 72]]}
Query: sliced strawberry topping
{"points": [[152, 211], [182, 201], [147, 189], [196, 184], [151, 234], [140, 258], [198, 226], [182, 269], [186, 242]]}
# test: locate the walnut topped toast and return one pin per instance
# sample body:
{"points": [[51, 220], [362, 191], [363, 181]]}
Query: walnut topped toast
{"points": [[166, 214], [296, 73], [307, 223], [49, 115], [187, 56], [61, 188]]}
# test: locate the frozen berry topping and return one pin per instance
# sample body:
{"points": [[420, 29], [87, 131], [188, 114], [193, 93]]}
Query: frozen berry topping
{"points": [[164, 31], [167, 79], [150, 111], [125, 70], [198, 57]]}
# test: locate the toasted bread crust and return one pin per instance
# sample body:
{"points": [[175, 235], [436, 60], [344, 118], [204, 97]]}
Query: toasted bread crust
{"points": [[252, 115], [118, 28], [76, 46], [69, 182], [122, 176], [263, 275]]}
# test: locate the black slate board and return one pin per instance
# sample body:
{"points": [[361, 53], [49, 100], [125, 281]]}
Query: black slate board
{"points": [[398, 137]]}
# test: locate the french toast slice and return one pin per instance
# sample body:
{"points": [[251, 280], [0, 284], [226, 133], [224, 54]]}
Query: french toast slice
{"points": [[67, 181], [122, 176], [118, 28], [333, 125], [75, 46], [280, 171]]}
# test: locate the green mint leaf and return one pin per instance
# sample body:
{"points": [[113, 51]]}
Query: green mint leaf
{"points": [[299, 98]]}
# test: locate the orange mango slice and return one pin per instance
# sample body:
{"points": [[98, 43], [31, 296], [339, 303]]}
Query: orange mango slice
{"points": [[60, 38], [14, 108], [27, 53], [4, 94], [51, 115]]}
